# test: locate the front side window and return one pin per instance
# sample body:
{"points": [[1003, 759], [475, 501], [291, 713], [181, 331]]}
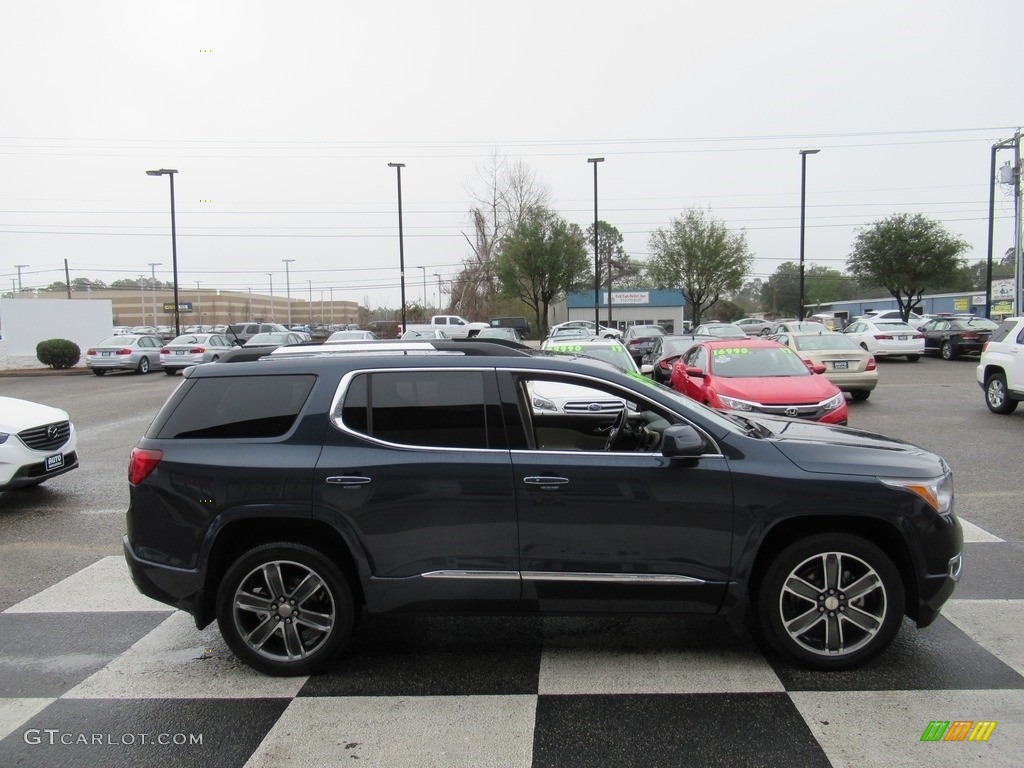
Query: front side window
{"points": [[440, 409]]}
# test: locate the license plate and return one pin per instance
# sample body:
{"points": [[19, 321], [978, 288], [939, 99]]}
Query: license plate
{"points": [[179, 351], [841, 365], [54, 462], [105, 354], [902, 338]]}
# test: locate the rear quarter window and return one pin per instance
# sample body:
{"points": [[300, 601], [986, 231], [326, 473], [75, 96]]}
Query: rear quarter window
{"points": [[236, 407]]}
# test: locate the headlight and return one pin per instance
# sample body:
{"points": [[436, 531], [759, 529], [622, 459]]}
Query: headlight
{"points": [[833, 402], [3, 437], [937, 492], [543, 404], [736, 405]]}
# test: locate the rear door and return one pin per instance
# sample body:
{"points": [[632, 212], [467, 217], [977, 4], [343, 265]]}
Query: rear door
{"points": [[417, 471]]}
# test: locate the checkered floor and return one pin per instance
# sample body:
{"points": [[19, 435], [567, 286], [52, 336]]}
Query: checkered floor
{"points": [[92, 673]]}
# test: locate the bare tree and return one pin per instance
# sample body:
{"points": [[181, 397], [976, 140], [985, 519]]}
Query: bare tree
{"points": [[504, 193]]}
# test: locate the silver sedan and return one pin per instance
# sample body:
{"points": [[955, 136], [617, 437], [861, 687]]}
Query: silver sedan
{"points": [[193, 349], [138, 353]]}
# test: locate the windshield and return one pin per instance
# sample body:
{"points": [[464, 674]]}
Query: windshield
{"points": [[614, 354], [751, 362]]}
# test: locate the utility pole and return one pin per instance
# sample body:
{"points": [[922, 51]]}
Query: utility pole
{"points": [[1016, 181]]}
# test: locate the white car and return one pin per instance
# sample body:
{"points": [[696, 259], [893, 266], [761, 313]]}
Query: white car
{"points": [[1001, 369], [37, 442], [887, 338], [915, 320], [588, 325], [568, 398]]}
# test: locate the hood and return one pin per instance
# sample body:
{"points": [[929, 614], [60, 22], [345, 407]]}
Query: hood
{"points": [[843, 451], [777, 390], [16, 415]]}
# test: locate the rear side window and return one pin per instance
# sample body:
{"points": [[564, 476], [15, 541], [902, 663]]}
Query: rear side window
{"points": [[443, 409], [238, 407]]}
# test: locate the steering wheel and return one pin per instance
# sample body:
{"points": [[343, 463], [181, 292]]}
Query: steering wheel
{"points": [[620, 422]]}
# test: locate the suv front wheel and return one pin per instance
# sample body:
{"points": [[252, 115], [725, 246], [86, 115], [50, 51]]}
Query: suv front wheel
{"points": [[284, 608], [831, 601]]}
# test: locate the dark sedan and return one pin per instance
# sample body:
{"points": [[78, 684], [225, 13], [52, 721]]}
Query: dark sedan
{"points": [[952, 337], [638, 340], [664, 352]]}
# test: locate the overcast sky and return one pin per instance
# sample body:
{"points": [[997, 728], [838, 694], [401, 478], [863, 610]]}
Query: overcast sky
{"points": [[281, 119]]}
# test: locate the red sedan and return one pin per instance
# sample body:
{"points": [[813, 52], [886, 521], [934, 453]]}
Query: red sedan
{"points": [[758, 376]]}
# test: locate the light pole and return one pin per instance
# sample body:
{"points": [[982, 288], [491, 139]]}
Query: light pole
{"points": [[19, 267], [310, 303], [803, 205], [199, 304], [438, 276], [271, 276], [401, 245], [174, 246], [597, 255], [424, 287], [152, 288], [288, 288]]}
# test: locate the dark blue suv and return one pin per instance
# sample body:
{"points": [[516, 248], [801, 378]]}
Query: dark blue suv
{"points": [[283, 497]]}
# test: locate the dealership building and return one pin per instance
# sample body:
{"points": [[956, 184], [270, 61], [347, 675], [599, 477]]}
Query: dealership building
{"points": [[640, 306]]}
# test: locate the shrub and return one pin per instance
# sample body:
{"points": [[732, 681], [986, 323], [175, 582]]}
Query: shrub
{"points": [[58, 353]]}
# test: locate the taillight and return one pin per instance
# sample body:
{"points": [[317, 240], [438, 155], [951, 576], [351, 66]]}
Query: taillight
{"points": [[917, 336], [631, 342], [871, 364], [124, 351], [970, 335], [197, 351], [142, 462], [882, 336], [90, 351], [808, 363], [165, 351]]}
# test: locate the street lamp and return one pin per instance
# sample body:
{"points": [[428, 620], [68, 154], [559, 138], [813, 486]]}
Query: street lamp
{"points": [[152, 271], [401, 246], [310, 303], [597, 255], [424, 287], [438, 276], [288, 288], [803, 204], [271, 276], [174, 246], [19, 267]]}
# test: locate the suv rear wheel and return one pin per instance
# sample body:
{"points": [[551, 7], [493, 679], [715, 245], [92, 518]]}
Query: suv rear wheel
{"points": [[997, 398], [284, 608], [831, 601]]}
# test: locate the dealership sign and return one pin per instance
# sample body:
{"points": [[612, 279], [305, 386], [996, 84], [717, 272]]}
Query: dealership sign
{"points": [[629, 297]]}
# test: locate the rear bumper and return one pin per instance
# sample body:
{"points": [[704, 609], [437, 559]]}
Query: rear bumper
{"points": [[179, 587]]}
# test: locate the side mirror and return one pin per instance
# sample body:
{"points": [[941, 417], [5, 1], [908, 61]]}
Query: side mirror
{"points": [[681, 440], [646, 369], [694, 372]]}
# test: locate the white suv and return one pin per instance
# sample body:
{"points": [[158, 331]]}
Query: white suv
{"points": [[1001, 370], [37, 442]]}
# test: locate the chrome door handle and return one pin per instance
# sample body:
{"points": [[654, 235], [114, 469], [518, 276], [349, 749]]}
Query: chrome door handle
{"points": [[350, 481], [548, 483]]}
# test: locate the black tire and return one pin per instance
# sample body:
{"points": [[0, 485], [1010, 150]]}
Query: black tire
{"points": [[997, 397], [98, 371], [860, 394], [806, 613], [913, 358], [310, 585], [948, 351], [766, 332], [143, 367]]}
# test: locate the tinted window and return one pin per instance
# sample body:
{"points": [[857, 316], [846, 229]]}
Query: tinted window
{"points": [[238, 407], [443, 409]]}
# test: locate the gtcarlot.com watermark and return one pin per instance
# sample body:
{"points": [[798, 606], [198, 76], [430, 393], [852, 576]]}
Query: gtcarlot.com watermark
{"points": [[55, 736]]}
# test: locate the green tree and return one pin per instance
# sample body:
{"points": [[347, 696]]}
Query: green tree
{"points": [[906, 254], [781, 292], [543, 258], [699, 256]]}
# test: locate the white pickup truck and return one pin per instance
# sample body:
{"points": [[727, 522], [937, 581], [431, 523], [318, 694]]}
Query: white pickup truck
{"points": [[455, 326]]}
